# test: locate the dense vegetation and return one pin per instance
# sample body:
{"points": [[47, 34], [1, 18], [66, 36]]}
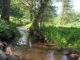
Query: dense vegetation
{"points": [[7, 30], [62, 29], [63, 36]]}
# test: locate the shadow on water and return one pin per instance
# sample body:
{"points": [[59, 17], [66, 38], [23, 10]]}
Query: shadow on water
{"points": [[35, 51]]}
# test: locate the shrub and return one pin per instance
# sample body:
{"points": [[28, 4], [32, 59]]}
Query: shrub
{"points": [[7, 30]]}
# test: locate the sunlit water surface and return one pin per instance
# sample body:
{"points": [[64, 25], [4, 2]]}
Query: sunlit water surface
{"points": [[35, 51]]}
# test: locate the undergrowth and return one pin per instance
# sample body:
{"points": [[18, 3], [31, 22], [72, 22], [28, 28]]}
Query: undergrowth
{"points": [[7, 30], [63, 36]]}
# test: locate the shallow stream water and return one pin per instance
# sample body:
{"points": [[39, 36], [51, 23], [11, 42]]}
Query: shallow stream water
{"points": [[27, 50]]}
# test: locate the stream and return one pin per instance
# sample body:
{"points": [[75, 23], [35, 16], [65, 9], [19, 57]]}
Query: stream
{"points": [[27, 50]]}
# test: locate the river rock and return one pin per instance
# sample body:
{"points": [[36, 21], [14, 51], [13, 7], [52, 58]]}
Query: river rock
{"points": [[78, 58], [2, 55], [74, 56], [12, 57], [1, 45]]}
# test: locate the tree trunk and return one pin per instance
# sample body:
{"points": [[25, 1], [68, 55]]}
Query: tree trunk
{"points": [[37, 20], [40, 25], [36, 25], [31, 15], [0, 5], [5, 10]]}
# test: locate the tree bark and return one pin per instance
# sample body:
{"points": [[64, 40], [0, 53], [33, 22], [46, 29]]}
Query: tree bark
{"points": [[31, 16], [5, 10], [0, 6], [37, 20]]}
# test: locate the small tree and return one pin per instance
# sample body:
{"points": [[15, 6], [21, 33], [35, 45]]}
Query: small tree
{"points": [[66, 11]]}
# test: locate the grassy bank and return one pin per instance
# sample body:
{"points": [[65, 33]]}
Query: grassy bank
{"points": [[63, 36]]}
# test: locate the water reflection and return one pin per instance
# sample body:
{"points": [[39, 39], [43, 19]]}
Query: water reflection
{"points": [[64, 57], [23, 38], [30, 44], [35, 51], [51, 55]]}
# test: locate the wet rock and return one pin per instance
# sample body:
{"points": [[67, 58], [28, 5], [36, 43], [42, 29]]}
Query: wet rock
{"points": [[2, 55], [10, 54], [72, 53], [1, 45], [74, 56], [78, 58], [66, 52], [7, 54], [12, 57]]}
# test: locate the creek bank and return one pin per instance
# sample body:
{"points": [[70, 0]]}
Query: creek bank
{"points": [[37, 36], [6, 52], [75, 54]]}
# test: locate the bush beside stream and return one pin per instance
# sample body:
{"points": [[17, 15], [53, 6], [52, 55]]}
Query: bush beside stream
{"points": [[7, 30]]}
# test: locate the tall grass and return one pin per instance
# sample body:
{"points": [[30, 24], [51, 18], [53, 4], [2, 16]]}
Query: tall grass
{"points": [[62, 36]]}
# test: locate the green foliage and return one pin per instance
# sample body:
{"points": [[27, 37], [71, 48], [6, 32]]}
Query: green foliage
{"points": [[16, 9], [74, 20], [62, 36], [76, 45], [19, 13], [20, 21], [66, 11], [49, 13], [7, 30], [53, 35]]}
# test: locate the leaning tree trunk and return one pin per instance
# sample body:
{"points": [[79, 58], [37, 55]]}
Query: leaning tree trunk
{"points": [[37, 20], [40, 19], [5, 10], [36, 25]]}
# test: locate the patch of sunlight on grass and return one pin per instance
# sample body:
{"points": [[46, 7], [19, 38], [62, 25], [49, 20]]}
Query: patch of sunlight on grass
{"points": [[28, 25]]}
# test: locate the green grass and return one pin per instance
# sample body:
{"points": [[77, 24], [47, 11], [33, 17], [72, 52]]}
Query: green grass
{"points": [[62, 36], [28, 25]]}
